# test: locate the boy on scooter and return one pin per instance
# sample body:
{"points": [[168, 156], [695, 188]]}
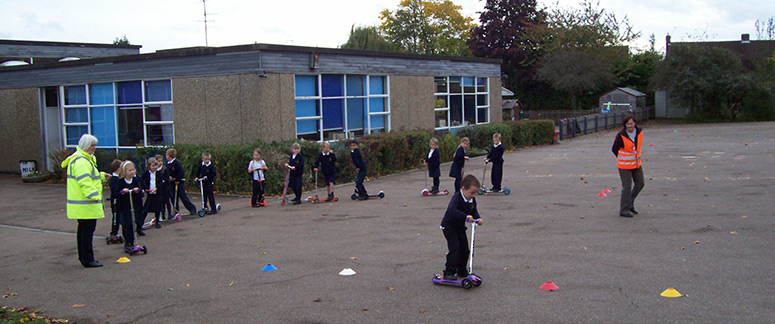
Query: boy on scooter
{"points": [[206, 173], [461, 208], [327, 162]]}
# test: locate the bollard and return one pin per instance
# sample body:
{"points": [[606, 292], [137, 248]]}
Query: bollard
{"points": [[596, 117], [585, 125], [561, 128]]}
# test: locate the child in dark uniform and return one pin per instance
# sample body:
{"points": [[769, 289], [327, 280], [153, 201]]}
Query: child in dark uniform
{"points": [[433, 161], [129, 188], [462, 208], [153, 182], [496, 157], [113, 184], [256, 168], [164, 190], [327, 162], [207, 173], [360, 166], [458, 162], [177, 178], [296, 164]]}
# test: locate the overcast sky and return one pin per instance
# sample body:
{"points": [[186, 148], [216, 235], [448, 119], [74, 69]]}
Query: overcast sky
{"points": [[162, 24]]}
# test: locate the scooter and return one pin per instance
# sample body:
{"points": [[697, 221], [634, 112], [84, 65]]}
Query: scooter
{"points": [[285, 187], [136, 248], [114, 239], [426, 192], [176, 205], [484, 190], [202, 212], [471, 280], [315, 199], [355, 195]]}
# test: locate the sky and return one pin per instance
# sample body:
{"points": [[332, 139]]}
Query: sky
{"points": [[164, 24]]}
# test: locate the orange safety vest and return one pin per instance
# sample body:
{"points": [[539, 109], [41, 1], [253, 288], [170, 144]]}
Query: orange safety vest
{"points": [[629, 154]]}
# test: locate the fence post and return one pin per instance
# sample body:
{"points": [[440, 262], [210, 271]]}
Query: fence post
{"points": [[585, 125], [575, 122], [596, 116], [561, 128]]}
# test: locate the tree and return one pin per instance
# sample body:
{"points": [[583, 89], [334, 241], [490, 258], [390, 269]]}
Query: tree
{"points": [[428, 27], [368, 38], [121, 41], [765, 30], [502, 35]]}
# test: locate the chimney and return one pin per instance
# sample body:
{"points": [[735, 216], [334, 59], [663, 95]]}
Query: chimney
{"points": [[746, 38], [667, 39]]}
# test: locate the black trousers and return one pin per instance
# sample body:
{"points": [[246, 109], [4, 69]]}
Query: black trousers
{"points": [[496, 176], [115, 222], [85, 235], [166, 206], [126, 219], [436, 182], [295, 182], [457, 251], [258, 192], [153, 204], [209, 196], [457, 183], [359, 182], [181, 194]]}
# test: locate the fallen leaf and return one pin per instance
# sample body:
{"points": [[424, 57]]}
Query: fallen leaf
{"points": [[696, 242], [527, 266], [506, 268], [231, 284], [683, 248], [365, 309], [316, 300], [430, 242], [744, 217], [353, 258], [706, 179], [324, 214], [78, 306], [6, 296], [403, 205], [422, 311], [264, 253], [733, 232], [187, 285], [390, 288]]}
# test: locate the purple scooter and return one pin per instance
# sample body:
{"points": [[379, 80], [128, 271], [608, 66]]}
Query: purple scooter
{"points": [[471, 280]]}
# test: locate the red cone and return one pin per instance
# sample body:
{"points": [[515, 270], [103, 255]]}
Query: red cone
{"points": [[606, 190], [550, 286], [601, 194]]}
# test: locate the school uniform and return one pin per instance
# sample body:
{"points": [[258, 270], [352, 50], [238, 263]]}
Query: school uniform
{"points": [[208, 170], [257, 180], [360, 165], [113, 184], [326, 162], [434, 168], [495, 156], [453, 225], [456, 170], [164, 193], [294, 180], [125, 208], [153, 202], [175, 169]]}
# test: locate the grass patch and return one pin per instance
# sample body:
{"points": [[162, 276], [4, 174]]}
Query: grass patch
{"points": [[24, 315]]}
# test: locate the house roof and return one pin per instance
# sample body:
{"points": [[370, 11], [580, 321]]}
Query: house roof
{"points": [[506, 92], [629, 91], [750, 51]]}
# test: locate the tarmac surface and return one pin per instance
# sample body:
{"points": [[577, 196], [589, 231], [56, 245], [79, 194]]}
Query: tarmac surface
{"points": [[705, 228]]}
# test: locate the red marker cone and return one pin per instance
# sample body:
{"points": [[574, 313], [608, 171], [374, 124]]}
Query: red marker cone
{"points": [[550, 286], [601, 194], [606, 190]]}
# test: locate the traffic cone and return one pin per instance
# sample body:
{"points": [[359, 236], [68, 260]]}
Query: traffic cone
{"points": [[601, 194], [606, 190], [269, 267], [550, 286], [670, 293], [347, 272], [123, 260]]}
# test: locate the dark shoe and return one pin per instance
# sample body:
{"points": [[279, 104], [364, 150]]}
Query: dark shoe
{"points": [[447, 276], [297, 202], [93, 264], [632, 210], [626, 215], [140, 233], [496, 189], [434, 190], [363, 197], [157, 225], [463, 274]]}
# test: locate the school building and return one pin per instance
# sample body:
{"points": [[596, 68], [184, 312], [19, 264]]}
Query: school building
{"points": [[237, 94]]}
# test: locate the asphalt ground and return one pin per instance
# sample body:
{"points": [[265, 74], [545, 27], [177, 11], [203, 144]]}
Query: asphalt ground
{"points": [[705, 228]]}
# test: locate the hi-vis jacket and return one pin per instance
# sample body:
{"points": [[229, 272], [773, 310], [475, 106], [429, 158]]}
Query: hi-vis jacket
{"points": [[628, 152], [84, 186]]}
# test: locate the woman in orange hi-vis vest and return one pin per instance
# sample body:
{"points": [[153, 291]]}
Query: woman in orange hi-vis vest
{"points": [[627, 151]]}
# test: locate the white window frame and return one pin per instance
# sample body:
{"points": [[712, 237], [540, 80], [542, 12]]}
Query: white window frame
{"points": [[462, 94]]}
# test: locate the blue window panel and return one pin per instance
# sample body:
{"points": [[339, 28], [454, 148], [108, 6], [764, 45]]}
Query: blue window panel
{"points": [[306, 85], [332, 85], [482, 115], [101, 94], [76, 115], [74, 134], [307, 108], [75, 95], [376, 104], [469, 108], [468, 81], [103, 125], [454, 79], [355, 85], [376, 85], [481, 81], [129, 92], [332, 113], [377, 122], [158, 90], [355, 112], [307, 127]]}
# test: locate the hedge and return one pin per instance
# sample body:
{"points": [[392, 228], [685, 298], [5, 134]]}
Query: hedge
{"points": [[384, 153]]}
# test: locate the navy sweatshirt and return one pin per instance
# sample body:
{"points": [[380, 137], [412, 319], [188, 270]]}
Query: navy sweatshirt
{"points": [[458, 162], [175, 170], [298, 162], [358, 159], [496, 154], [458, 209], [208, 171], [326, 163]]}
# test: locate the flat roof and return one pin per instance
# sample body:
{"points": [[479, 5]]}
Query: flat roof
{"points": [[65, 44]]}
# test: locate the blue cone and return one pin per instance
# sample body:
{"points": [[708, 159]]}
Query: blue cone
{"points": [[269, 267]]}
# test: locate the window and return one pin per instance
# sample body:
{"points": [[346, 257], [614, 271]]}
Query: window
{"points": [[461, 101], [337, 106], [121, 114]]}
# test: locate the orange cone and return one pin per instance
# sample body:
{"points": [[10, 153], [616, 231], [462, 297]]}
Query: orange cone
{"points": [[550, 286]]}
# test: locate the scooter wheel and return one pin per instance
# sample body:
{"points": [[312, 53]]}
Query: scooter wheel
{"points": [[381, 194], [477, 281], [145, 250], [481, 191], [282, 202], [336, 198], [354, 196], [107, 240], [218, 207], [506, 191], [120, 239], [467, 283], [201, 213]]}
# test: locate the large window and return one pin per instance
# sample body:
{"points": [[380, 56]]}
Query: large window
{"points": [[336, 106], [461, 101], [121, 114]]}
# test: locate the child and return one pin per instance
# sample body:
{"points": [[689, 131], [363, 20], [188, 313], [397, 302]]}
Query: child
{"points": [[327, 161], [360, 167], [462, 208], [129, 188], [164, 191], [153, 181], [256, 168], [433, 161], [458, 162], [296, 164], [206, 173], [496, 157], [113, 184], [177, 182]]}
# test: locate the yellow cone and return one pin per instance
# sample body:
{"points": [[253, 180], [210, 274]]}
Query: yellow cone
{"points": [[123, 260], [671, 293]]}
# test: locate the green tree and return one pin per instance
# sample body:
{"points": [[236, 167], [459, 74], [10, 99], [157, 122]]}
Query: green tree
{"points": [[428, 27], [368, 38], [121, 41]]}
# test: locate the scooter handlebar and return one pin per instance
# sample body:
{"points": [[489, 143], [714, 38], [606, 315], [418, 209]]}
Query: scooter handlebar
{"points": [[475, 221]]}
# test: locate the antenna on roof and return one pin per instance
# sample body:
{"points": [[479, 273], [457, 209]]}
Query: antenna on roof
{"points": [[204, 5]]}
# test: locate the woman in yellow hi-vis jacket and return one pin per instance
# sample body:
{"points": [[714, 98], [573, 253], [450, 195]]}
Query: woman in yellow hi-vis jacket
{"points": [[84, 195], [627, 151]]}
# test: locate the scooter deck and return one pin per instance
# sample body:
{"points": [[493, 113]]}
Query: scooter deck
{"points": [[317, 199], [426, 192], [137, 249], [471, 280], [486, 191], [380, 195]]}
